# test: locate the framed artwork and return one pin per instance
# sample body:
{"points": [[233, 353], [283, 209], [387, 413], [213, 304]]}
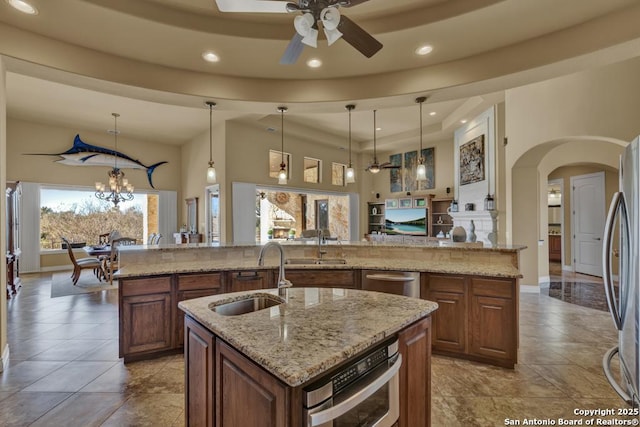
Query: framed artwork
{"points": [[404, 203], [409, 170], [391, 203], [428, 154], [472, 161], [395, 175], [419, 202]]}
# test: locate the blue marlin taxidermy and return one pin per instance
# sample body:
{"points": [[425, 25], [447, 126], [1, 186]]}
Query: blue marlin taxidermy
{"points": [[83, 154]]}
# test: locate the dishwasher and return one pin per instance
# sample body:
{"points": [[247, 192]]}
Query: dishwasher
{"points": [[405, 283]]}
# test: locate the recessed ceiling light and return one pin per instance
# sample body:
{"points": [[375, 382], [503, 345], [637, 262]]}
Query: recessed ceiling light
{"points": [[378, 128], [424, 50], [433, 113], [314, 63], [23, 7], [463, 121], [210, 56]]}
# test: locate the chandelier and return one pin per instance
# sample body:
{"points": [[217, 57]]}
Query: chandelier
{"points": [[119, 188]]}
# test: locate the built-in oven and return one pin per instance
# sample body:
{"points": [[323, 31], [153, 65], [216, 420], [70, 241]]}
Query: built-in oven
{"points": [[364, 393]]}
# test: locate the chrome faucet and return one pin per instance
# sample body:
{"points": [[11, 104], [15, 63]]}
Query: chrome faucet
{"points": [[282, 281], [320, 239]]}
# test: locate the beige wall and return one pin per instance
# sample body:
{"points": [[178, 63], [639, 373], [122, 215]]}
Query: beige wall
{"points": [[3, 204], [593, 106]]}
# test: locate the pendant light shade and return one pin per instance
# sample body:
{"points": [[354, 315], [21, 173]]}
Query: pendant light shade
{"points": [[350, 173], [211, 170], [282, 175], [421, 170]]}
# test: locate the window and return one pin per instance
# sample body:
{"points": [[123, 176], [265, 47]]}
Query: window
{"points": [[338, 172], [80, 217], [275, 158], [312, 170]]}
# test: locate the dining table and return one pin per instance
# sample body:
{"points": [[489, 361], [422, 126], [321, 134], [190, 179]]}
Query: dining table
{"points": [[98, 250]]}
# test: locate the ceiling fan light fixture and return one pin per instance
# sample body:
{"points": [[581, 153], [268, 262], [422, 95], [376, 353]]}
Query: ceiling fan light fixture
{"points": [[332, 36], [374, 168], [330, 17], [304, 26]]}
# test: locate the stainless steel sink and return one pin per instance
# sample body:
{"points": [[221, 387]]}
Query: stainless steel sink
{"points": [[247, 305], [307, 261]]}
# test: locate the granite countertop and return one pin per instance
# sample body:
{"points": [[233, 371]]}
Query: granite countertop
{"points": [[313, 331], [432, 266]]}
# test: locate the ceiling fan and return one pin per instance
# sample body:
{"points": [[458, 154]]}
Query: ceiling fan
{"points": [[376, 167], [326, 12]]}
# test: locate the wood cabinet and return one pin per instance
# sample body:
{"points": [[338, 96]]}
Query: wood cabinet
{"points": [[239, 381], [220, 382], [247, 280], [145, 317], [322, 278], [199, 384], [477, 317], [415, 375], [439, 218], [555, 247], [194, 286], [375, 217]]}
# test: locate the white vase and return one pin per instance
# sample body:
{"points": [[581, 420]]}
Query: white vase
{"points": [[471, 237]]}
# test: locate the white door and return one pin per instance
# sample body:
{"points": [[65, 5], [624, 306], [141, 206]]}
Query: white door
{"points": [[587, 203]]}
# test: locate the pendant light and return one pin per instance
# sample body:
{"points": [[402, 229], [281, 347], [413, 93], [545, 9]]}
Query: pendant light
{"points": [[211, 170], [350, 175], [421, 170], [375, 167], [282, 175]]}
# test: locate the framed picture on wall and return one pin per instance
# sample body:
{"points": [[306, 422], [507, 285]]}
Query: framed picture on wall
{"points": [[404, 203], [391, 203], [472, 161], [419, 202]]}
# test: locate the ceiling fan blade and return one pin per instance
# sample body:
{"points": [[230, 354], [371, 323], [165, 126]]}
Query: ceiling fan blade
{"points": [[353, 34], [388, 165], [257, 6], [293, 50]]}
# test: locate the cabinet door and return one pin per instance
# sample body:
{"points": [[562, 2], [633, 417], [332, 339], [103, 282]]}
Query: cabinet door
{"points": [[194, 286], [450, 320], [247, 280], [199, 356], [247, 396], [493, 320], [321, 278], [146, 324], [415, 375]]}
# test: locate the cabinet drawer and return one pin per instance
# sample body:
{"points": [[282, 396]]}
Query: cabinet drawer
{"points": [[453, 284], [247, 280], [314, 278], [189, 282], [503, 288], [151, 285]]}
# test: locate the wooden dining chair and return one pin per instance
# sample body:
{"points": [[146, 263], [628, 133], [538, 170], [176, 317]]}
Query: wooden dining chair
{"points": [[82, 264], [111, 263]]}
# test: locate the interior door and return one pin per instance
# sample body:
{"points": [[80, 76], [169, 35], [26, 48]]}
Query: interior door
{"points": [[588, 213]]}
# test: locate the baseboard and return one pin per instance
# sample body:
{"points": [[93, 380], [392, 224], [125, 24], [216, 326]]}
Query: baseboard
{"points": [[529, 289], [544, 279], [4, 361]]}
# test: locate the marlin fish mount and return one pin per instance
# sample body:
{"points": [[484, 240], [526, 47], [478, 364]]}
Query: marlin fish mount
{"points": [[83, 154]]}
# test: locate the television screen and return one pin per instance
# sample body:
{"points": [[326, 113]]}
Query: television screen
{"points": [[411, 222]]}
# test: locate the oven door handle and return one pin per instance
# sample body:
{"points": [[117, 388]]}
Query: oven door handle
{"points": [[356, 398]]}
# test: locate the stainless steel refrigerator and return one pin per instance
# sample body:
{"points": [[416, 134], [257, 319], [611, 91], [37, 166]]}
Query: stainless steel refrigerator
{"points": [[623, 230]]}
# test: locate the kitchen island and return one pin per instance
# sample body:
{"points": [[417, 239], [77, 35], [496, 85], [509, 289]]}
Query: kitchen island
{"points": [[253, 368]]}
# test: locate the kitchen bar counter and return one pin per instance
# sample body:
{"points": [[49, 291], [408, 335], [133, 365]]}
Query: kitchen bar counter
{"points": [[502, 261], [315, 330]]}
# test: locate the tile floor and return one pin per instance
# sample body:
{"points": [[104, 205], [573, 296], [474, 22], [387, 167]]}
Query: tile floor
{"points": [[65, 371]]}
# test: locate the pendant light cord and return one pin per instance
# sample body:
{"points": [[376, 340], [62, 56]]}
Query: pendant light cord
{"points": [[210, 133], [375, 158], [282, 135], [115, 134], [350, 137], [420, 100]]}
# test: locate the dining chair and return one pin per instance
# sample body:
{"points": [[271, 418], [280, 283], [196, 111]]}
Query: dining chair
{"points": [[111, 263], [82, 264], [103, 238], [156, 239], [151, 239]]}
